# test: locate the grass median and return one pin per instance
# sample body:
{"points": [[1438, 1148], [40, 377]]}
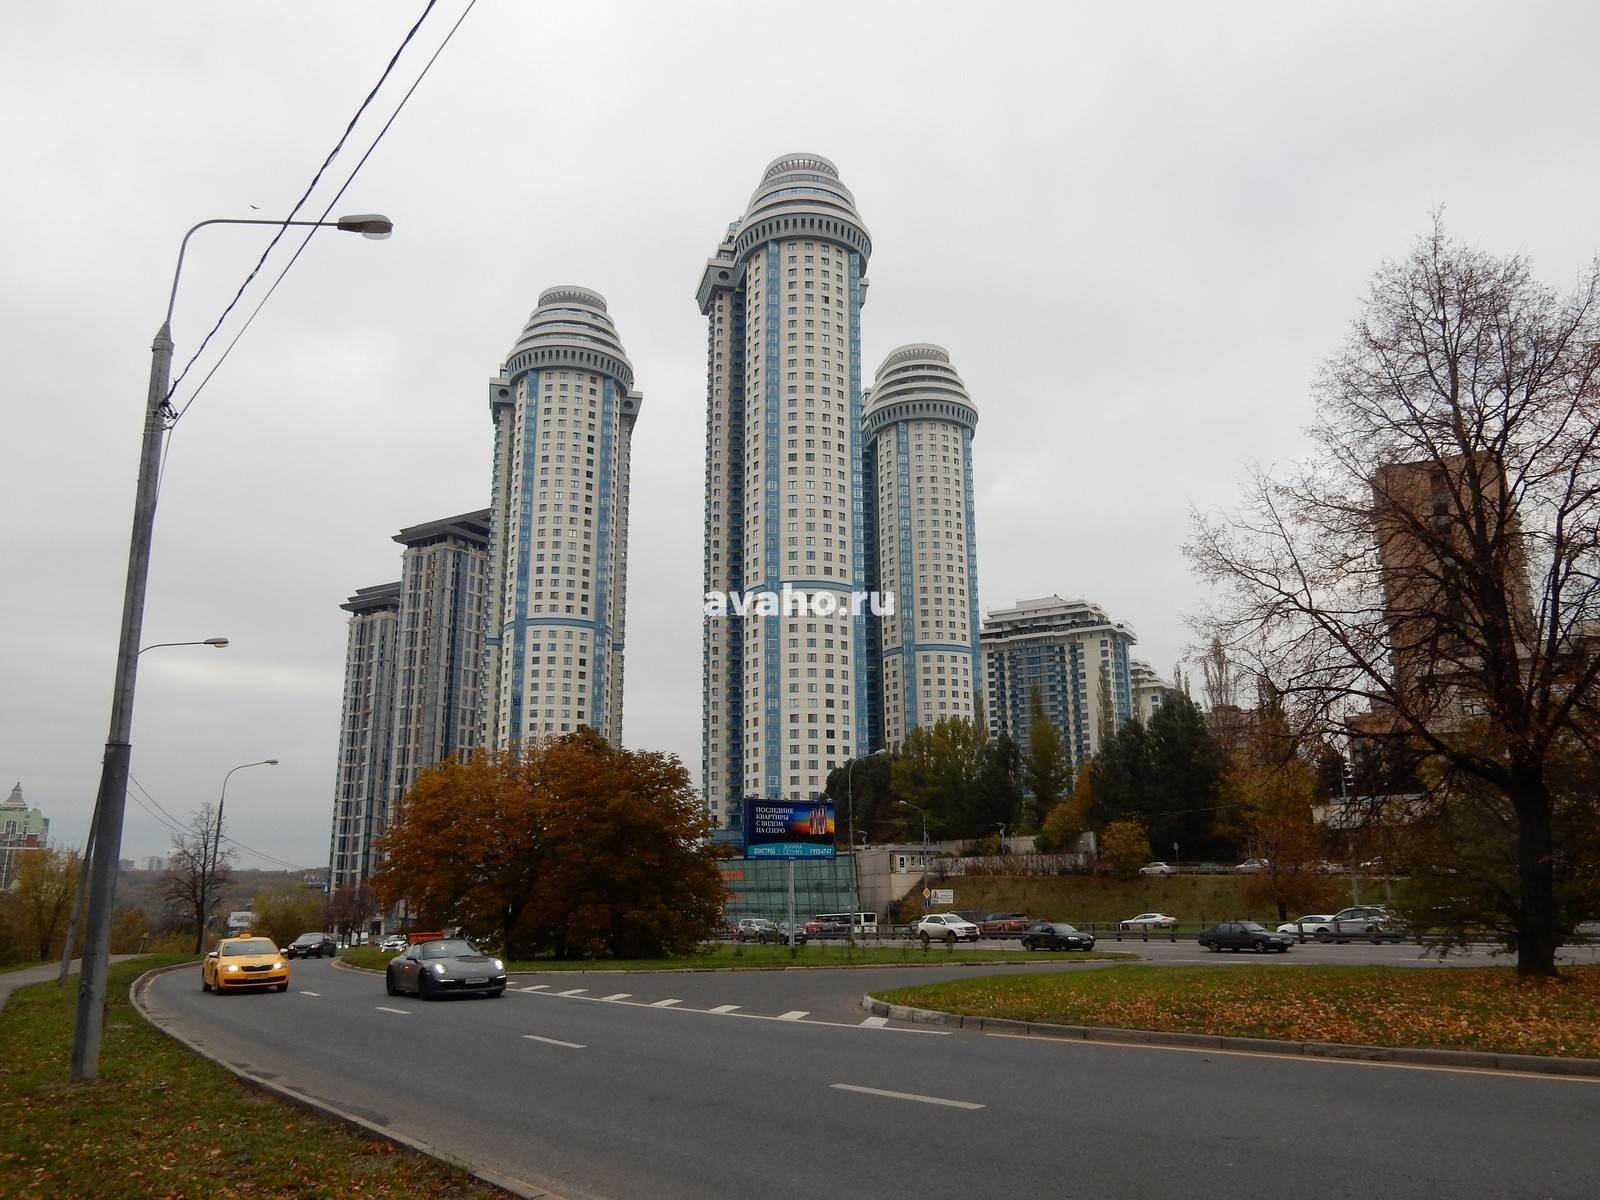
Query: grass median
{"points": [[161, 1121], [724, 956], [1447, 1008]]}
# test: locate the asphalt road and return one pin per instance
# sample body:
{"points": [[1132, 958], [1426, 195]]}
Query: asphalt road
{"points": [[774, 1084]]}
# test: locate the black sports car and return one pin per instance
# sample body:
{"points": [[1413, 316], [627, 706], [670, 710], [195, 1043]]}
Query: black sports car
{"points": [[1056, 935], [444, 965]]}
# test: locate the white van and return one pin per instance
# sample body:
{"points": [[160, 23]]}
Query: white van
{"points": [[865, 924]]}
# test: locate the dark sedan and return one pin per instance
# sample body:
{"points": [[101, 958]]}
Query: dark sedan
{"points": [[1056, 935], [311, 945], [444, 966], [1244, 935]]}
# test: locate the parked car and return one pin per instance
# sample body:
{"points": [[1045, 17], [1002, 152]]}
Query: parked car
{"points": [[1308, 926], [444, 965], [1004, 924], [1244, 935], [395, 941], [1252, 866], [1150, 921], [756, 929], [1370, 922], [311, 945], [800, 934], [827, 930], [1206, 868], [244, 962], [1158, 868], [945, 927], [1056, 935]]}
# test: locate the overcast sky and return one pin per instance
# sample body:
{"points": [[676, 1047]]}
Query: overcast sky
{"points": [[1137, 228]]}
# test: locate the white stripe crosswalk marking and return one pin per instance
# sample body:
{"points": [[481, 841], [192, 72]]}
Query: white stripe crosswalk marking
{"points": [[794, 1014], [875, 1022], [536, 987], [617, 996], [724, 1008], [573, 992], [665, 1003]]}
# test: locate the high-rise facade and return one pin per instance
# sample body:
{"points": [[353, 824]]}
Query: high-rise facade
{"points": [[21, 829], [922, 542], [1069, 653], [785, 693], [564, 408], [413, 681]]}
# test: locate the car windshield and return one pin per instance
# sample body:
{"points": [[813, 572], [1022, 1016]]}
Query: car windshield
{"points": [[1063, 927], [447, 948], [1253, 926], [247, 946], [309, 937]]}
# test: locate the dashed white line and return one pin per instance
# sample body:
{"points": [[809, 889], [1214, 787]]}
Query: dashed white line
{"points": [[875, 1022], [724, 1008], [665, 1003], [533, 1037], [573, 992], [851, 1087], [403, 1012], [617, 996], [303, 993], [536, 987], [794, 1014]]}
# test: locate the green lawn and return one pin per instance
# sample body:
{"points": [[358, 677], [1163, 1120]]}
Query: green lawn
{"points": [[161, 1121], [1477, 1008]]}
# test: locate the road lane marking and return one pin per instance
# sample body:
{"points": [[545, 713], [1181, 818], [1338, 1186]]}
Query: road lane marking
{"points": [[533, 1037], [793, 1014], [404, 1012], [730, 1010], [536, 987], [851, 1087], [617, 996], [724, 1008], [573, 992], [875, 1022], [298, 992], [665, 1003]]}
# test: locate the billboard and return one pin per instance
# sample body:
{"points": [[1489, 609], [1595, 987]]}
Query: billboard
{"points": [[788, 828]]}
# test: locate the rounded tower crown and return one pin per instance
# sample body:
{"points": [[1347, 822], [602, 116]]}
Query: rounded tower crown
{"points": [[801, 194], [571, 327], [917, 382]]}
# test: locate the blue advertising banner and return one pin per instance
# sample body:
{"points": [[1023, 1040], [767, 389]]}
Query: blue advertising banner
{"points": [[788, 828]]}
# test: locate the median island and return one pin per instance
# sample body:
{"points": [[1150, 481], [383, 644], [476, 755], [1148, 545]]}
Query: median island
{"points": [[1486, 1009]]}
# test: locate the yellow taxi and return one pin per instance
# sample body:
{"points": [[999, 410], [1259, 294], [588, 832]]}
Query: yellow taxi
{"points": [[244, 962]]}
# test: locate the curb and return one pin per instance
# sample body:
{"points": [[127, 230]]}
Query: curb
{"points": [[1477, 1060], [514, 1187]]}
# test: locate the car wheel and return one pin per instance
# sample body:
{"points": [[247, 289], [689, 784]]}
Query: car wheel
{"points": [[424, 989], [1262, 947], [216, 987], [204, 986], [1212, 946], [284, 986], [1323, 936], [925, 939], [388, 983]]}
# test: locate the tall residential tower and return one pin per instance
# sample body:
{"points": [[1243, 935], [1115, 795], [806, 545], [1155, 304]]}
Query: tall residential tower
{"points": [[922, 542], [785, 693], [564, 407]]}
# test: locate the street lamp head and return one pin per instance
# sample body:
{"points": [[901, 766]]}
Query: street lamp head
{"points": [[369, 225], [219, 643], [269, 762]]}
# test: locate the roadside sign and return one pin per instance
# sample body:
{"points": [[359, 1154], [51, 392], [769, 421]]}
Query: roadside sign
{"points": [[944, 895]]}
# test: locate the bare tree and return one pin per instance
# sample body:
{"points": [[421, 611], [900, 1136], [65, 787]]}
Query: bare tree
{"points": [[197, 871], [1385, 582]]}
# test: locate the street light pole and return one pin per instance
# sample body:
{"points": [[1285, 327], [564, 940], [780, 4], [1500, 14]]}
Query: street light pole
{"points": [[110, 803], [88, 847], [210, 866], [908, 804]]}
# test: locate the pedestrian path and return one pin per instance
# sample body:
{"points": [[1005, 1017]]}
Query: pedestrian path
{"points": [[10, 981]]}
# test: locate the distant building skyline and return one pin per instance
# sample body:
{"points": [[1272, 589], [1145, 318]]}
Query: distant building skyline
{"points": [[21, 829]]}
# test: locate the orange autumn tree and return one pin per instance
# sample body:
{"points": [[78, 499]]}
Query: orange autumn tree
{"points": [[574, 847]]}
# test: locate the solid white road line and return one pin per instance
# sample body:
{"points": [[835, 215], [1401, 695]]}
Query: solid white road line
{"points": [[724, 1008], [851, 1087], [533, 1037], [794, 1014], [665, 1003], [404, 1012]]}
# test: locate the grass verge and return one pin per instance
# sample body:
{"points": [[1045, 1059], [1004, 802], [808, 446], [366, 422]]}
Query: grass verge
{"points": [[1472, 1008], [754, 957], [161, 1121]]}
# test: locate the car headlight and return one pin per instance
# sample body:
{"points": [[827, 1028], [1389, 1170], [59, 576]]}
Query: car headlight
{"points": [[498, 965], [437, 968], [279, 965], [230, 967]]}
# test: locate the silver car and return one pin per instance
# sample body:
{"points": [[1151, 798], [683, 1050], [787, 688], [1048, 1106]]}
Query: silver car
{"points": [[444, 966]]}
